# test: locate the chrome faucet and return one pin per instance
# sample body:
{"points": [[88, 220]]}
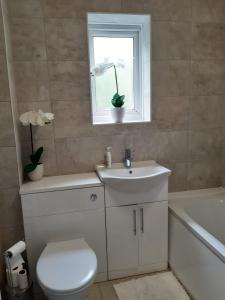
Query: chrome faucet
{"points": [[127, 158]]}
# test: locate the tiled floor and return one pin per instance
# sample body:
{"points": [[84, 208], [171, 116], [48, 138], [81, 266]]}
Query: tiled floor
{"points": [[99, 291]]}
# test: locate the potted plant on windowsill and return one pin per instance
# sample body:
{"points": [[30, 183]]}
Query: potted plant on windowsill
{"points": [[118, 110], [35, 169]]}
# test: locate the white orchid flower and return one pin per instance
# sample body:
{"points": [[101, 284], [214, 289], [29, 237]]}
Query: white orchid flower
{"points": [[36, 118], [120, 64], [46, 117], [101, 68]]}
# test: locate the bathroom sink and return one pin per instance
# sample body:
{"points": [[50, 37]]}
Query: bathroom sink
{"points": [[142, 172]]}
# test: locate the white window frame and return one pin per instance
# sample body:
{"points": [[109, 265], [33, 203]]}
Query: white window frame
{"points": [[123, 25]]}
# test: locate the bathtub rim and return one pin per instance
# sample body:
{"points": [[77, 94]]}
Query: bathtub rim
{"points": [[211, 242]]}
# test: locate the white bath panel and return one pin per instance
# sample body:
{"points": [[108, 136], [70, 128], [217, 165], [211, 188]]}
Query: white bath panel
{"points": [[161, 286]]}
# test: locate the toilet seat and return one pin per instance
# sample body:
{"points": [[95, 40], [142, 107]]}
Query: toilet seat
{"points": [[66, 267]]}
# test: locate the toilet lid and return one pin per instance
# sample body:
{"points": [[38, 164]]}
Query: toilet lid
{"points": [[64, 267]]}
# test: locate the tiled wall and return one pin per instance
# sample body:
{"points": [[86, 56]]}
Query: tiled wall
{"points": [[188, 85], [10, 211]]}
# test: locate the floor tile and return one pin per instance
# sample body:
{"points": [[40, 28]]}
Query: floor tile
{"points": [[107, 291], [94, 293]]}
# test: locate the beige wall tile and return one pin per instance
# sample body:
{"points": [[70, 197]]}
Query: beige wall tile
{"points": [[10, 213], [208, 10], [172, 146], [4, 90], [12, 234], [105, 6], [205, 144], [65, 9], [178, 177], [133, 6], [82, 154], [72, 119], [25, 8], [31, 70], [31, 78], [3, 68], [2, 39], [171, 78], [2, 268], [171, 40], [208, 41], [208, 77], [78, 8], [207, 112], [6, 125], [171, 112], [136, 140], [66, 39], [69, 80], [204, 174], [175, 10], [28, 39], [69, 71], [8, 167], [69, 91]]}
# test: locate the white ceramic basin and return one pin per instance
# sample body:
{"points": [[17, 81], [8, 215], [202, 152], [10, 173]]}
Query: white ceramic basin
{"points": [[144, 172]]}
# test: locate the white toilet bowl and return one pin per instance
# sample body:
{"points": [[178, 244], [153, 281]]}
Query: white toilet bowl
{"points": [[65, 270]]}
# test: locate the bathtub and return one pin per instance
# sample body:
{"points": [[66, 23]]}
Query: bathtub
{"points": [[197, 241]]}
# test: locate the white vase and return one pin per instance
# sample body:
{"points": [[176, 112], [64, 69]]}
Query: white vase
{"points": [[37, 174], [118, 114]]}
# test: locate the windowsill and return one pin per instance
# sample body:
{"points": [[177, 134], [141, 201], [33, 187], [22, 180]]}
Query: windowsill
{"points": [[110, 122]]}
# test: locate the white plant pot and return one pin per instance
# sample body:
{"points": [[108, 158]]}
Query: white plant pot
{"points": [[118, 114], [37, 174]]}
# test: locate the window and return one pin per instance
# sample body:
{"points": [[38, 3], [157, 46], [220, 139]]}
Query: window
{"points": [[119, 54]]}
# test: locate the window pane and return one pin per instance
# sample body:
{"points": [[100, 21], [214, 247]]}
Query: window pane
{"points": [[114, 50]]}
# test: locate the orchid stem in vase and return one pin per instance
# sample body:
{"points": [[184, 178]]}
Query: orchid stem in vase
{"points": [[117, 88], [31, 138]]}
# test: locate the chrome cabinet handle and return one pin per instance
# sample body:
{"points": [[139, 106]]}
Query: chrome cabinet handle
{"points": [[142, 219], [135, 221], [93, 197]]}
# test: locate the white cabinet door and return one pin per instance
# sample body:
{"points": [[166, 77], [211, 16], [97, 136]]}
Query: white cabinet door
{"points": [[122, 237], [153, 237]]}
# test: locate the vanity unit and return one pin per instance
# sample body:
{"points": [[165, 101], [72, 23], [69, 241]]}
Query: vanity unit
{"points": [[124, 218], [136, 217]]}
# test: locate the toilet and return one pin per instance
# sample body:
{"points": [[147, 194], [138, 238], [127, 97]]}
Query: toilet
{"points": [[65, 270]]}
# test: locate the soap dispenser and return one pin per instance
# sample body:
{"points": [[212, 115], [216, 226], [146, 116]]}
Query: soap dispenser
{"points": [[108, 157]]}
